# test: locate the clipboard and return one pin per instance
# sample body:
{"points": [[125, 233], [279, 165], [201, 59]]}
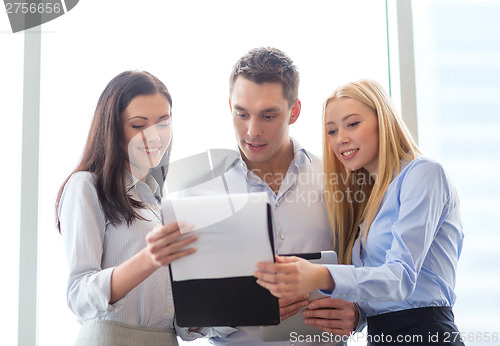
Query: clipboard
{"points": [[215, 286], [295, 323]]}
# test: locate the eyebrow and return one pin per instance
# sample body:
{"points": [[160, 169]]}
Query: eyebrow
{"points": [[266, 110], [239, 108], [145, 118], [343, 119]]}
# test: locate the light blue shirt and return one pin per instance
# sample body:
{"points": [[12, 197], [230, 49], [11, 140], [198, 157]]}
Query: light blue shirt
{"points": [[301, 221], [94, 247], [410, 257]]}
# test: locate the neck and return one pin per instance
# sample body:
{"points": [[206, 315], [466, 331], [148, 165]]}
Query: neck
{"points": [[137, 172], [273, 171]]}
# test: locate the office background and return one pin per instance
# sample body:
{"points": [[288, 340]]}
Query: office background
{"points": [[191, 46]]}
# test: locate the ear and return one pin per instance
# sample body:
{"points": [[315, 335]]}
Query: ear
{"points": [[295, 111], [230, 105]]}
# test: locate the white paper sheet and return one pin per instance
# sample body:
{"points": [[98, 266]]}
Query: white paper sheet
{"points": [[233, 235]]}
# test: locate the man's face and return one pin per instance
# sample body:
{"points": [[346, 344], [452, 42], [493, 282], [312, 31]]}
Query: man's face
{"points": [[261, 116]]}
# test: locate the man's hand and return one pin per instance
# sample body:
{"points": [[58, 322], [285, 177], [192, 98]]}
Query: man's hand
{"points": [[332, 315], [290, 306]]}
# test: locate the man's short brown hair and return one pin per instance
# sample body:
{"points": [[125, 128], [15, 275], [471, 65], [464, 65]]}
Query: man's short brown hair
{"points": [[268, 65]]}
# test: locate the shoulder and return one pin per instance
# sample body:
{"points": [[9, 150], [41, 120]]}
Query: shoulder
{"points": [[80, 180], [425, 174], [423, 167], [309, 158], [80, 186]]}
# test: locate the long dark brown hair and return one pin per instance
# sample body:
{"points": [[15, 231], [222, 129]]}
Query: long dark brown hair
{"points": [[105, 155]]}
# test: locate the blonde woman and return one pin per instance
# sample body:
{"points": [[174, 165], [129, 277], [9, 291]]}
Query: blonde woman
{"points": [[395, 215]]}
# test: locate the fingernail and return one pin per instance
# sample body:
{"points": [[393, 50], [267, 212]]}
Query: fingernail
{"points": [[307, 321], [306, 313]]}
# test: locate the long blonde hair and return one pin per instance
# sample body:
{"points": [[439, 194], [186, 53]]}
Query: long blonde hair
{"points": [[348, 212]]}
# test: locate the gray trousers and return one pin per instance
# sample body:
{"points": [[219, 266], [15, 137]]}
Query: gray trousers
{"points": [[109, 333]]}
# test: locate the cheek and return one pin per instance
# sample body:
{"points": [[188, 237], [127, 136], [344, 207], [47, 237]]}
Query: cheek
{"points": [[166, 134], [239, 128], [333, 144], [128, 136]]}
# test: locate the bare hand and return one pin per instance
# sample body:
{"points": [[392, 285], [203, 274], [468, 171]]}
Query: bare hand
{"points": [[289, 307], [332, 315], [292, 276], [165, 244]]}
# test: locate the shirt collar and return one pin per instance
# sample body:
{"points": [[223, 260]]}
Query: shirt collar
{"points": [[300, 155], [131, 182]]}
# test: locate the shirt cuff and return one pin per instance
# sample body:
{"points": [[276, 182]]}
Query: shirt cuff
{"points": [[99, 289], [345, 282]]}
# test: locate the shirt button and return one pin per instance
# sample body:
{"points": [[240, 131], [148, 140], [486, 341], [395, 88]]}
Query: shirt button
{"points": [[282, 237], [343, 295], [277, 204], [170, 310], [292, 344]]}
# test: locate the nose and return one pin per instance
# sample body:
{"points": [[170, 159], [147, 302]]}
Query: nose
{"points": [[342, 137], [151, 134], [254, 128]]}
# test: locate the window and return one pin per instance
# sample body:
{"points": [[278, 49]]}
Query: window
{"points": [[191, 46], [457, 52], [11, 109]]}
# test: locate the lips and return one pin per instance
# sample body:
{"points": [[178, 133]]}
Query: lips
{"points": [[349, 154], [255, 147], [150, 150]]}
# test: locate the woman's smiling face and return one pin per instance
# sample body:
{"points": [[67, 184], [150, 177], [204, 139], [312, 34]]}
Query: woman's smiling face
{"points": [[147, 132], [352, 129]]}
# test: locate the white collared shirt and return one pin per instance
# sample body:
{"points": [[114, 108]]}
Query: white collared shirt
{"points": [[94, 247], [301, 221]]}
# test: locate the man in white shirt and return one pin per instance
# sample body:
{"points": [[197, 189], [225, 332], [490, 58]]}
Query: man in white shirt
{"points": [[264, 103]]}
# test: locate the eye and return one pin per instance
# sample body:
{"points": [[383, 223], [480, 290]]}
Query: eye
{"points": [[332, 132], [164, 123], [268, 117], [240, 115], [354, 124], [138, 126]]}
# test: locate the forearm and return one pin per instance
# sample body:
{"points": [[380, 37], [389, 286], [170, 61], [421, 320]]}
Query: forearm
{"points": [[131, 273]]}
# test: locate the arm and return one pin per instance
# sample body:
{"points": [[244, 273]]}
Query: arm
{"points": [[163, 247], [92, 289], [420, 213]]}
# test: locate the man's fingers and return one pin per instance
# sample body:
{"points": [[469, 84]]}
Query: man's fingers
{"points": [[289, 301], [334, 331], [332, 326], [327, 302], [291, 309]]}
